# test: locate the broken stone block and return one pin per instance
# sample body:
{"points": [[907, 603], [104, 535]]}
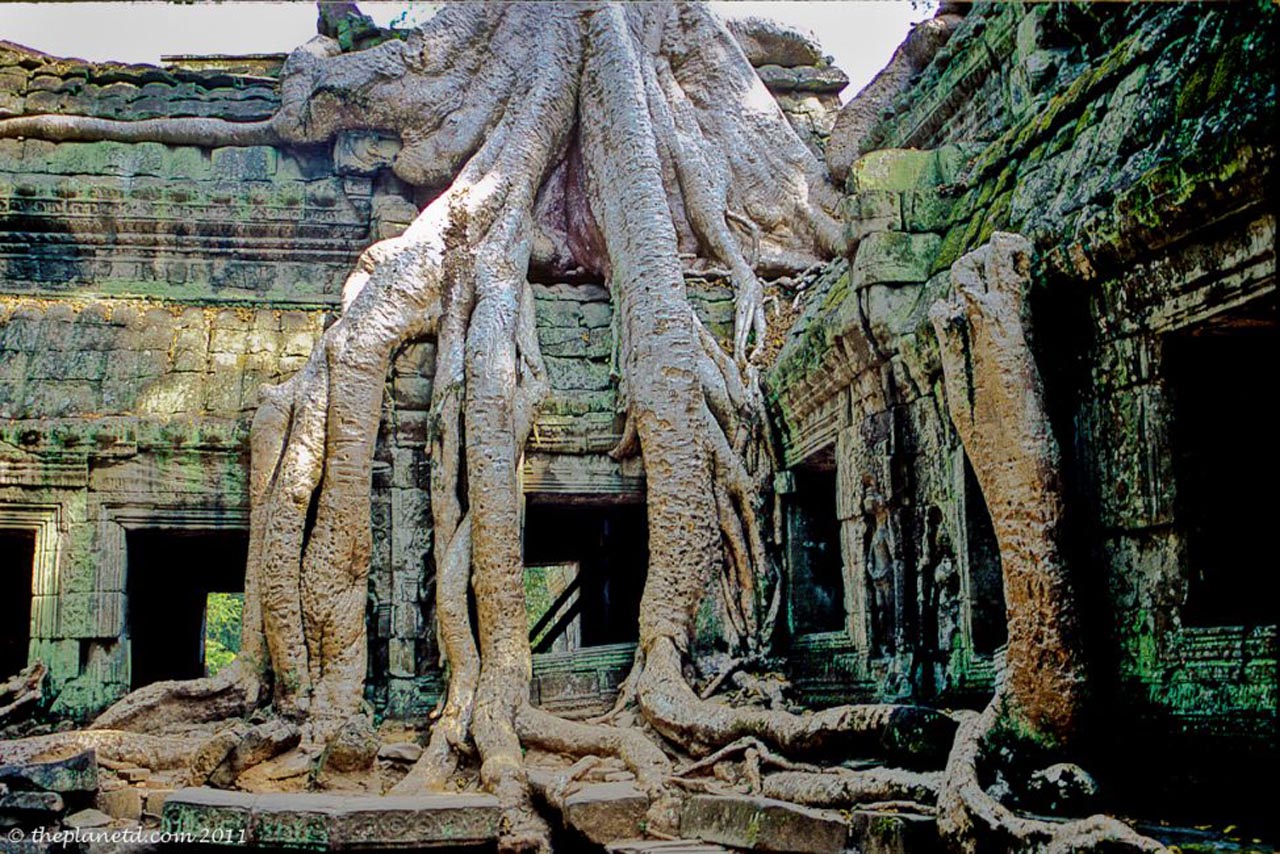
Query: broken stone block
{"points": [[402, 751], [803, 78], [769, 42], [1061, 789], [877, 832], [86, 819], [354, 748], [26, 808], [763, 824], [258, 745], [153, 801], [211, 812], [124, 802], [133, 774], [606, 812], [78, 773], [212, 753], [894, 257]]}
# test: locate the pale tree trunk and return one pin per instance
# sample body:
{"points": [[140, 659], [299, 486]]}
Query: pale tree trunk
{"points": [[996, 399]]}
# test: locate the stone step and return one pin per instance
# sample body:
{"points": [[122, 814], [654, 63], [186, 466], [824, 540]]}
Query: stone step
{"points": [[605, 812], [328, 822], [885, 832], [763, 824]]}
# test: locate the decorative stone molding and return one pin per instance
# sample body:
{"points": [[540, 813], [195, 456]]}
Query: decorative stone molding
{"points": [[45, 521]]}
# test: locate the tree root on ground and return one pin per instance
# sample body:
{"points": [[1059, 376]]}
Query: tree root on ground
{"points": [[970, 820], [22, 692]]}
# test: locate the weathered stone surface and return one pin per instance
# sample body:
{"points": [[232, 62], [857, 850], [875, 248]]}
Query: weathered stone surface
{"points": [[29, 807], [75, 774], [578, 374], [1061, 789], [334, 822], [607, 812], [403, 751], [354, 748], [762, 824], [361, 153], [803, 78], [894, 257], [878, 832], [871, 211], [125, 802], [769, 42], [391, 215], [895, 170], [85, 819], [153, 801]]}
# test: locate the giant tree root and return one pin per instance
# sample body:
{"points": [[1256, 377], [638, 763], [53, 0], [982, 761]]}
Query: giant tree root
{"points": [[851, 788], [970, 820], [162, 705], [157, 752], [22, 692]]}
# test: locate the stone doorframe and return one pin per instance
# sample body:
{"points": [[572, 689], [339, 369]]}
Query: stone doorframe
{"points": [[115, 522], [43, 520]]}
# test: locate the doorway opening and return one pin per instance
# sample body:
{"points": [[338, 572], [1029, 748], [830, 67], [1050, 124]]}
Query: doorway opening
{"points": [[813, 545], [17, 567], [586, 565], [1226, 461], [988, 626], [172, 576]]}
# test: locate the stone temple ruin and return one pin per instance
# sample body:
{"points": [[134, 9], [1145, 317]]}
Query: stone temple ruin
{"points": [[148, 290]]}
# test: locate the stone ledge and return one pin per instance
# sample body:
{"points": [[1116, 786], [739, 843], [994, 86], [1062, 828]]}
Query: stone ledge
{"points": [[328, 822], [763, 824]]}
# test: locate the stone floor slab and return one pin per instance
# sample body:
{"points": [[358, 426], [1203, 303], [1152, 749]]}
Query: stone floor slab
{"points": [[605, 812], [331, 822], [763, 824], [883, 832]]}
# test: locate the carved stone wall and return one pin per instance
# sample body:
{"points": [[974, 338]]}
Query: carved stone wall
{"points": [[1134, 147], [148, 291]]}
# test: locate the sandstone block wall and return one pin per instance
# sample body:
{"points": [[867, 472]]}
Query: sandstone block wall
{"points": [[1134, 147]]}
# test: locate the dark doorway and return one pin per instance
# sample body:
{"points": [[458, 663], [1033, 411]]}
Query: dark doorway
{"points": [[1225, 462], [17, 564], [171, 574], [987, 621], [817, 569], [610, 545]]}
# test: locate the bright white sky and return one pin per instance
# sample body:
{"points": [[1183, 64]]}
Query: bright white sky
{"points": [[860, 34]]}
